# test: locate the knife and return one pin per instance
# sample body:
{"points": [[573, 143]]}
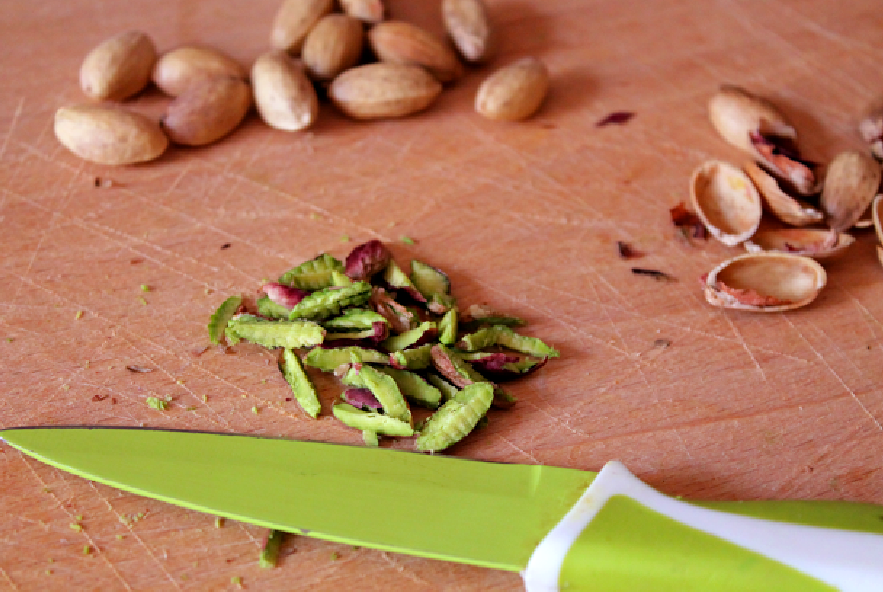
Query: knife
{"points": [[560, 528]]}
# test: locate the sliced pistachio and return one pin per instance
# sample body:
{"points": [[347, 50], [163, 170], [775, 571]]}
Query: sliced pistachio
{"points": [[785, 207], [289, 334], [754, 125], [413, 358], [447, 327], [329, 359], [314, 274], [354, 318], [456, 418], [818, 244], [765, 282], [850, 186], [448, 390], [506, 337], [301, 387], [371, 421], [387, 392], [726, 201], [416, 336], [461, 374], [271, 310], [414, 387], [329, 302], [218, 323]]}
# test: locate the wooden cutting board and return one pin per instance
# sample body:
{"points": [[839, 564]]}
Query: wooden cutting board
{"points": [[525, 217]]}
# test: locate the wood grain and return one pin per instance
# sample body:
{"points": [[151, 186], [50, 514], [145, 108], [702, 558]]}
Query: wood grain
{"points": [[524, 216]]}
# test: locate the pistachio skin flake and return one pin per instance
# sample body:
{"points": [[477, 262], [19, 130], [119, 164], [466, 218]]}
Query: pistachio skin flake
{"points": [[314, 274], [461, 374], [288, 334], [456, 418], [283, 295], [221, 317], [374, 422], [502, 335], [301, 386], [427, 331], [328, 302]]}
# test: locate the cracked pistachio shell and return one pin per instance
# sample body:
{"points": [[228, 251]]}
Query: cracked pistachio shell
{"points": [[726, 201], [180, 68], [818, 244], [734, 113], [285, 98], [118, 67], [786, 208], [850, 185], [109, 135], [788, 281], [877, 214]]}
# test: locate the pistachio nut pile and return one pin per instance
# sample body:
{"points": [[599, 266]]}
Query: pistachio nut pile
{"points": [[391, 338], [313, 46], [780, 271]]}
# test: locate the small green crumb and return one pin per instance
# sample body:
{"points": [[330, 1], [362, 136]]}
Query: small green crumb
{"points": [[157, 403], [207, 291], [76, 527], [255, 410], [120, 537], [79, 315], [205, 398], [87, 364], [335, 556], [345, 238], [10, 339], [219, 522], [47, 490], [87, 550], [236, 581], [145, 288], [78, 518], [190, 408], [179, 382], [407, 240], [142, 301], [48, 572], [314, 216], [65, 387], [51, 560], [184, 576]]}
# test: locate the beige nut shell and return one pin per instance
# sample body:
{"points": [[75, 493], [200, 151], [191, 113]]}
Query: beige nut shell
{"points": [[334, 45], [398, 42], [118, 67], [850, 185], [293, 22], [369, 11], [179, 68], [468, 26], [108, 134], [744, 282], [786, 208], [726, 201], [809, 242], [514, 92], [384, 90], [206, 111], [284, 96]]}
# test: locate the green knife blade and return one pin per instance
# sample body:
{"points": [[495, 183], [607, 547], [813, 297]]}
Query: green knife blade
{"points": [[487, 514]]}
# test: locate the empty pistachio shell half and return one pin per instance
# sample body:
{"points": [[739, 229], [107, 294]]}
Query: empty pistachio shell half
{"points": [[754, 125], [726, 201], [765, 282], [871, 129], [786, 208], [850, 185], [877, 214], [817, 244]]}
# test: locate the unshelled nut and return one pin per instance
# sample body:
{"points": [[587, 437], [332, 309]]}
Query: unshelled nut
{"points": [[370, 11], [179, 68], [118, 67], [207, 110], [469, 28], [109, 135], [403, 43], [514, 92], [294, 20], [334, 45], [383, 90], [284, 97]]}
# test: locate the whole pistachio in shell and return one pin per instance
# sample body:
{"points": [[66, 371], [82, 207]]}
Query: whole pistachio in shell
{"points": [[765, 282], [786, 208], [726, 201], [850, 185], [754, 125], [818, 244]]}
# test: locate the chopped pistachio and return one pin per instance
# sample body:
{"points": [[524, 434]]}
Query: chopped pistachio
{"points": [[370, 438], [145, 288], [76, 527], [157, 403], [314, 274], [345, 238], [371, 421], [221, 317], [329, 302], [87, 549], [314, 216], [291, 334], [142, 301], [300, 383], [79, 315], [255, 410], [456, 418], [407, 240], [120, 537], [236, 581]]}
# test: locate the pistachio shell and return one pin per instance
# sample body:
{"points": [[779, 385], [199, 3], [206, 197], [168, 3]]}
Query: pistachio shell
{"points": [[119, 67], [817, 244], [850, 185], [742, 119], [369, 11], [108, 134], [399, 42], [765, 282], [468, 27], [871, 129], [726, 201], [332, 46], [293, 21], [284, 97], [785, 207], [877, 213], [178, 69], [207, 111]]}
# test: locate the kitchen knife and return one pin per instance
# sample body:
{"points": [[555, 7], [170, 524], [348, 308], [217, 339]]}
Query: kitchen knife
{"points": [[561, 528]]}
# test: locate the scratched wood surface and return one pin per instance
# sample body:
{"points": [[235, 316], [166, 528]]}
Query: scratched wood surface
{"points": [[525, 217]]}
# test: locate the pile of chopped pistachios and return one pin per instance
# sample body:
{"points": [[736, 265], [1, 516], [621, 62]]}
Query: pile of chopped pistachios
{"points": [[780, 271], [392, 338]]}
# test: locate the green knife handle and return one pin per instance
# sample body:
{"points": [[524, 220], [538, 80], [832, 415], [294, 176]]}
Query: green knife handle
{"points": [[623, 535]]}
